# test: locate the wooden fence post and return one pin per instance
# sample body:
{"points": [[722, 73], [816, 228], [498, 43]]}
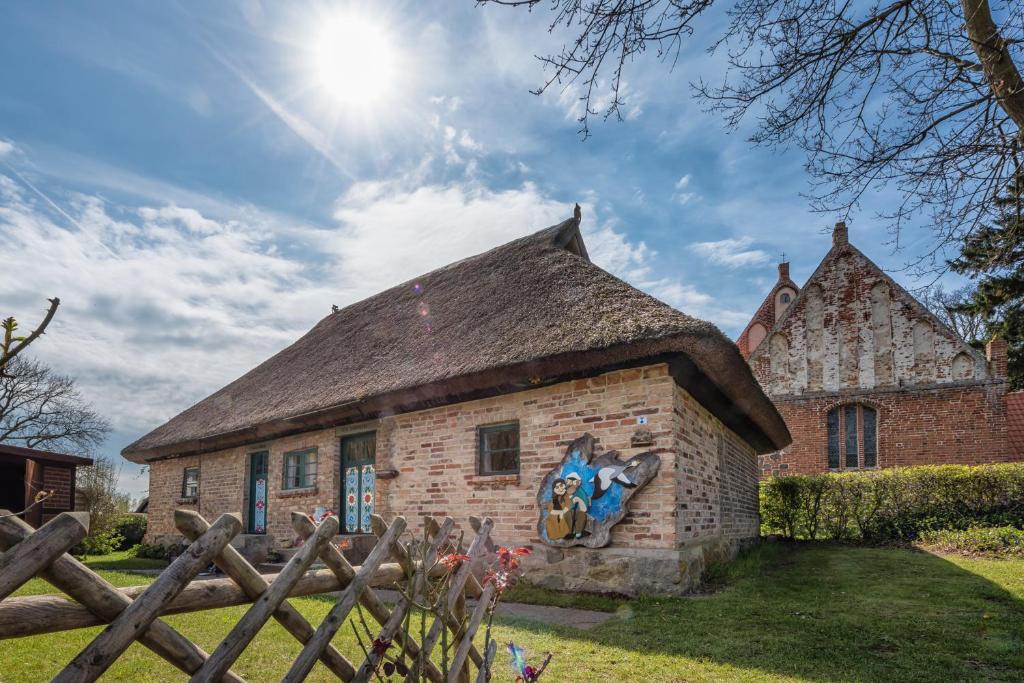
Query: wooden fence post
{"points": [[232, 563], [483, 675], [33, 554], [133, 612], [101, 599], [249, 625], [336, 617], [336, 562], [115, 639]]}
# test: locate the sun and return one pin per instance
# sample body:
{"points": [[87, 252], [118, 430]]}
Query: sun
{"points": [[354, 60]]}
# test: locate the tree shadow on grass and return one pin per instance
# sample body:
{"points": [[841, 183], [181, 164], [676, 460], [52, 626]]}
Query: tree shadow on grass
{"points": [[826, 613]]}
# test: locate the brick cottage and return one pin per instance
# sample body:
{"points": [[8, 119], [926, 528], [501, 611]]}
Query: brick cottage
{"points": [[866, 376], [457, 394]]}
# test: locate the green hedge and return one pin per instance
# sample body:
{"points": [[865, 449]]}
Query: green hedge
{"points": [[893, 505], [1002, 541]]}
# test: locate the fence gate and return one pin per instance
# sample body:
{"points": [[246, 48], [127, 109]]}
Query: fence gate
{"points": [[133, 614]]}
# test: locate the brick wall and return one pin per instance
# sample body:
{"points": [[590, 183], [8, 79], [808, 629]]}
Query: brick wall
{"points": [[224, 485], [435, 452], [854, 336], [703, 499], [717, 482], [961, 423], [60, 480]]}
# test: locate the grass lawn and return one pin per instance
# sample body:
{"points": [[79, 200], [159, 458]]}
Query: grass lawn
{"points": [[121, 561], [784, 613]]}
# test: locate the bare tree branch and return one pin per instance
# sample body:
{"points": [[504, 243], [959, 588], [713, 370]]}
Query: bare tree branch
{"points": [[12, 345], [39, 408], [921, 96]]}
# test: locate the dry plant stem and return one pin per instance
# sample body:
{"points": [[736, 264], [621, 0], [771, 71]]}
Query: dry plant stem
{"points": [[336, 562], [391, 629]]}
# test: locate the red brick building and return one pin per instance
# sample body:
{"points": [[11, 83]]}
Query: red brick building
{"points": [[458, 392], [25, 472], [866, 377]]}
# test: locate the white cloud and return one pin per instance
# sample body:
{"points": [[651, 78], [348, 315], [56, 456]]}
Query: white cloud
{"points": [[6, 147], [682, 194], [165, 303], [731, 252], [160, 306]]}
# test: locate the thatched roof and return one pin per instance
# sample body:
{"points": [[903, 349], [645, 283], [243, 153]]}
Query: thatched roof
{"points": [[527, 313]]}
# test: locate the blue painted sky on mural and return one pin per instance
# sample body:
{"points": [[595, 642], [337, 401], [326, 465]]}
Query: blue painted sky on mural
{"points": [[192, 183]]}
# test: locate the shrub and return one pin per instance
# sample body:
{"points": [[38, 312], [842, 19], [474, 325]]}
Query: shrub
{"points": [[1001, 541], [132, 528], [154, 552], [894, 505], [99, 543]]}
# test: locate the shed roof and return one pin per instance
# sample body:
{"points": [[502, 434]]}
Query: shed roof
{"points": [[43, 456], [527, 313]]}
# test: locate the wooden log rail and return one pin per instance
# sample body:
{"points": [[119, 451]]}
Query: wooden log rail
{"points": [[134, 613]]}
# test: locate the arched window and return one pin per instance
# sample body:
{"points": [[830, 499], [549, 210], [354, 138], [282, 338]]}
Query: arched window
{"points": [[852, 437], [785, 297]]}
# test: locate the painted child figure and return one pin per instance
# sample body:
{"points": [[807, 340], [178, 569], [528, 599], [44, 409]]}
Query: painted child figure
{"points": [[557, 522], [579, 504]]}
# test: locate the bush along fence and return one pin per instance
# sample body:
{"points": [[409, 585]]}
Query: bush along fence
{"points": [[893, 505], [433, 571]]}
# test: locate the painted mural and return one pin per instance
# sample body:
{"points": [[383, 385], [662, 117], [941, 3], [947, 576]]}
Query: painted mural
{"points": [[582, 498]]}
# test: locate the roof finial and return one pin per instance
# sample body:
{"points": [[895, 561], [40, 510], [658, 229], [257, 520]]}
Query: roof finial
{"points": [[577, 213]]}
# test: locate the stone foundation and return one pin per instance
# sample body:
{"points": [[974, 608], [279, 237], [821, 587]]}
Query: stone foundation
{"points": [[626, 571]]}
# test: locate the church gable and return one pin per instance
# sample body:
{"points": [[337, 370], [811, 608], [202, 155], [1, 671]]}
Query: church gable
{"points": [[854, 327], [781, 296]]}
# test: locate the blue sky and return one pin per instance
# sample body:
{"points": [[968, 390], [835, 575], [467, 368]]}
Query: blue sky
{"points": [[200, 182]]}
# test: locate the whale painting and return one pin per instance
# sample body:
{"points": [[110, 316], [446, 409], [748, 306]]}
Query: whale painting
{"points": [[586, 494]]}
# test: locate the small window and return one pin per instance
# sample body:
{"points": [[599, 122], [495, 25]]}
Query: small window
{"points": [[785, 297], [499, 449], [852, 437], [299, 469], [190, 483]]}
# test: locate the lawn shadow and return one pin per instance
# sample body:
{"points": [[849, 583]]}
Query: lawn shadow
{"points": [[832, 613]]}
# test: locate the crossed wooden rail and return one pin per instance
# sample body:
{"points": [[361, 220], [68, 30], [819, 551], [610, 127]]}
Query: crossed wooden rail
{"points": [[132, 614]]}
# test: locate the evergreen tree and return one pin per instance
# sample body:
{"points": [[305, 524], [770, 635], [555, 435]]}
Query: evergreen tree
{"points": [[994, 255]]}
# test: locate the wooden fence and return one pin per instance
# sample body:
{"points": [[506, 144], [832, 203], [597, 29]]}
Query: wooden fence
{"points": [[133, 614]]}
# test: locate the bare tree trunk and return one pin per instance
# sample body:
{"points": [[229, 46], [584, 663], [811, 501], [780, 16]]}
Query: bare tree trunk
{"points": [[994, 54]]}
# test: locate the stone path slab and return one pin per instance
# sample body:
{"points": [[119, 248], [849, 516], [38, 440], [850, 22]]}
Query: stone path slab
{"points": [[584, 619]]}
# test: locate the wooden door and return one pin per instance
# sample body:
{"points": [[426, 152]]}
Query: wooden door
{"points": [[257, 523], [358, 480]]}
